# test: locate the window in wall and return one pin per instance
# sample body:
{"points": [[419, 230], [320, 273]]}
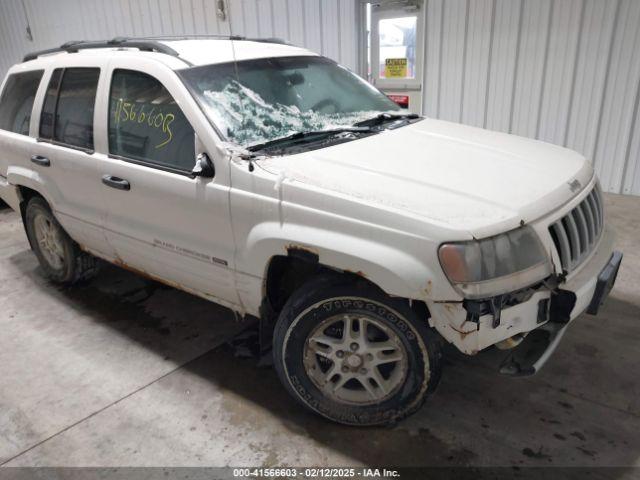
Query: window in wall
{"points": [[17, 101], [398, 47], [146, 124]]}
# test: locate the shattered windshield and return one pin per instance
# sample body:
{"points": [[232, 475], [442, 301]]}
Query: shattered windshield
{"points": [[255, 101]]}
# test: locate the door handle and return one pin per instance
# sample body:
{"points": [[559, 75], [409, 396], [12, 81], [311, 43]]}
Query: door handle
{"points": [[40, 160], [115, 182]]}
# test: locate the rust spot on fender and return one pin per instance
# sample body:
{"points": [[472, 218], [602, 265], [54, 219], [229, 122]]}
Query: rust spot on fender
{"points": [[428, 288], [302, 248], [359, 273], [302, 252]]}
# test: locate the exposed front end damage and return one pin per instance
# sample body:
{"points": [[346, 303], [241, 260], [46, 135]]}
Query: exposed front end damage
{"points": [[530, 322]]}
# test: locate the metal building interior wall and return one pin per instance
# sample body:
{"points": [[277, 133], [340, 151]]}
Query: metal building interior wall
{"points": [[563, 71], [325, 26]]}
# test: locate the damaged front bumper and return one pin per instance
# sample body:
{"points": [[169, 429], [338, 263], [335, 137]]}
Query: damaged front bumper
{"points": [[537, 318]]}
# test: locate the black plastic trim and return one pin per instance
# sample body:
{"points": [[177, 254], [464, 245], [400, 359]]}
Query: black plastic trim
{"points": [[606, 280], [88, 151], [74, 46], [186, 173]]}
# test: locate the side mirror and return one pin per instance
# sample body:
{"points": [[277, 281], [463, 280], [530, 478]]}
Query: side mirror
{"points": [[204, 167]]}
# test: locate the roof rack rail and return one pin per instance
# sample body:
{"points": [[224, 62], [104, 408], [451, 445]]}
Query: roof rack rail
{"points": [[124, 42], [215, 37], [268, 40]]}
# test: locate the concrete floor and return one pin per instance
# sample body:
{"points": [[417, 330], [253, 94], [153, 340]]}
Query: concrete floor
{"points": [[122, 371]]}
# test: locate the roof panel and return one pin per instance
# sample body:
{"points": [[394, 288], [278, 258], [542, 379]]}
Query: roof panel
{"points": [[207, 51]]}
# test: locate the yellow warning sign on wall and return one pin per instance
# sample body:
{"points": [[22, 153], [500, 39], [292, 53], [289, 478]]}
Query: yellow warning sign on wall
{"points": [[395, 68]]}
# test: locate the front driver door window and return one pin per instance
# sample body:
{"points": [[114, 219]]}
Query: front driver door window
{"points": [[146, 124]]}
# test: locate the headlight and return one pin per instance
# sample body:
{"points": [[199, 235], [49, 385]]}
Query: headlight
{"points": [[495, 265]]}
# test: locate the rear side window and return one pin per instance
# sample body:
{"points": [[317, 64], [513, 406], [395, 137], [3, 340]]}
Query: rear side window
{"points": [[67, 113], [17, 101], [146, 124]]}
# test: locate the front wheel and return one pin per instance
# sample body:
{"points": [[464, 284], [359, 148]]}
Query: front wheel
{"points": [[354, 355]]}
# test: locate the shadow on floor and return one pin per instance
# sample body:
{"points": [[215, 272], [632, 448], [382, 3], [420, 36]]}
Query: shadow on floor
{"points": [[444, 432]]}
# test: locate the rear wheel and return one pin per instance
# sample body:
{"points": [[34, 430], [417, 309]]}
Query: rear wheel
{"points": [[354, 355], [59, 256]]}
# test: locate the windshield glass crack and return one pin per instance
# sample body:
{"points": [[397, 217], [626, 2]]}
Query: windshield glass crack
{"points": [[254, 102]]}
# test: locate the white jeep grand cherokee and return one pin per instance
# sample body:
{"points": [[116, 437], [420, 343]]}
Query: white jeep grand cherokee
{"points": [[271, 180]]}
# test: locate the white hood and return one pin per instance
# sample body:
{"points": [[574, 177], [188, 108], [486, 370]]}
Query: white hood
{"points": [[461, 177]]}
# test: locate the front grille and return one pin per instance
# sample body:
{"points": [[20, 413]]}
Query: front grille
{"points": [[577, 232]]}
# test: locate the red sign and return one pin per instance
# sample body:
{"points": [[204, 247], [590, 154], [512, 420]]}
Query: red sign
{"points": [[402, 100]]}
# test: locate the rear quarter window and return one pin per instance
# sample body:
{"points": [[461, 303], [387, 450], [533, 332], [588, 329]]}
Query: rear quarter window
{"points": [[17, 99]]}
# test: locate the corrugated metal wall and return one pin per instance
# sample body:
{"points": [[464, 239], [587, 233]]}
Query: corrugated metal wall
{"points": [[563, 71], [326, 26]]}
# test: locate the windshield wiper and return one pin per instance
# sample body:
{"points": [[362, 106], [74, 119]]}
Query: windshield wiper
{"points": [[385, 117], [307, 136]]}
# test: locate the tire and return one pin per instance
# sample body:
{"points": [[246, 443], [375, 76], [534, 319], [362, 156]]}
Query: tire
{"points": [[59, 256], [308, 340]]}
